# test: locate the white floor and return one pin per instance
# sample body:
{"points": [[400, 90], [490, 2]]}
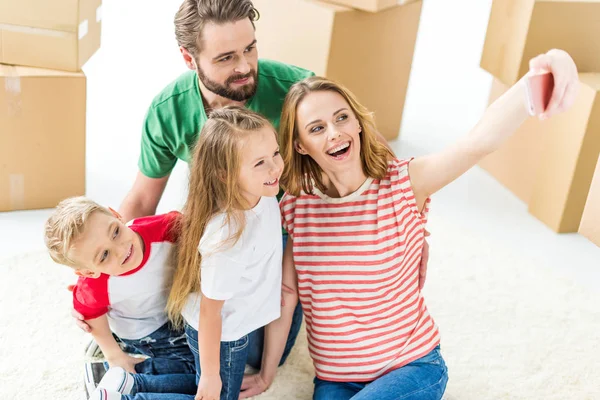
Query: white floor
{"points": [[447, 93]]}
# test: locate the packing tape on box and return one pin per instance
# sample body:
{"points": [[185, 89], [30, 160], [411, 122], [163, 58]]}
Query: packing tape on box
{"points": [[99, 13], [83, 29], [33, 31], [17, 191], [12, 88]]}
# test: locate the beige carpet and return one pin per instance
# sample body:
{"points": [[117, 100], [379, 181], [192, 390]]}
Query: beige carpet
{"points": [[510, 329]]}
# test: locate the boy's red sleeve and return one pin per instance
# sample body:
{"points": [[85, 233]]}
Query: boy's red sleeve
{"points": [[90, 296]]}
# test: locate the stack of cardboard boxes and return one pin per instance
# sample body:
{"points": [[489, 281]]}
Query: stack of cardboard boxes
{"points": [[43, 45], [367, 45], [548, 164]]}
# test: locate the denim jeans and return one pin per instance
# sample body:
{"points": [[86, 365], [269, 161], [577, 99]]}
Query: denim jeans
{"points": [[233, 362], [163, 387], [422, 379], [168, 351], [234, 357]]}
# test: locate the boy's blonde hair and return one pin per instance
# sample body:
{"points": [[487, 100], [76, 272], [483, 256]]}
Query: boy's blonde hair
{"points": [[65, 224]]}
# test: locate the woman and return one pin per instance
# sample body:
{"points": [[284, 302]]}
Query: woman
{"points": [[356, 221]]}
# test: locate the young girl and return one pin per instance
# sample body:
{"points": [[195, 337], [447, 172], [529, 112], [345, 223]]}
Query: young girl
{"points": [[356, 222], [229, 263]]}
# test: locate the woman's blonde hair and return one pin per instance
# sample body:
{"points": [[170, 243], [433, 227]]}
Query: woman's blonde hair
{"points": [[213, 189], [301, 171]]}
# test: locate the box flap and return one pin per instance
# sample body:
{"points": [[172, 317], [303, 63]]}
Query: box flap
{"points": [[61, 15], [20, 71]]}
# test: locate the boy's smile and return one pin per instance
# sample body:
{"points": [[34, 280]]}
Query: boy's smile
{"points": [[107, 246]]}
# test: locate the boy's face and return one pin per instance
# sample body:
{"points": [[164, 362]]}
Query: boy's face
{"points": [[106, 246]]}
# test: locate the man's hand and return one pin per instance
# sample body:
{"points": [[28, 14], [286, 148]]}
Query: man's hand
{"points": [[424, 261], [253, 385], [79, 321]]}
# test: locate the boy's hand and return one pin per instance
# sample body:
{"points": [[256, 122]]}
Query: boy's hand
{"points": [[125, 361], [209, 387]]}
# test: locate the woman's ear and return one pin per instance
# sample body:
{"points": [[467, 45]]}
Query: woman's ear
{"points": [[298, 148], [222, 175]]}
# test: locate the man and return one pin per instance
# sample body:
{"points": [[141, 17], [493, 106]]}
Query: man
{"points": [[218, 44]]}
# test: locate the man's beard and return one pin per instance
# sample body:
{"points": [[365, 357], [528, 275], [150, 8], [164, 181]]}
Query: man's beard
{"points": [[241, 94]]}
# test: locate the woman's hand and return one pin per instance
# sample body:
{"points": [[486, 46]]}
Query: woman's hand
{"points": [[253, 385], [566, 79]]}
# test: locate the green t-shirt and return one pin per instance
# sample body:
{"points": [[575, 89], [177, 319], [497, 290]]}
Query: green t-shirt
{"points": [[177, 114]]}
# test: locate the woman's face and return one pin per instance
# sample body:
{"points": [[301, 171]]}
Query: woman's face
{"points": [[328, 131]]}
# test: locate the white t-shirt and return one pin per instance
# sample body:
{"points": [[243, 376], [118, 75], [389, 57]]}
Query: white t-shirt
{"points": [[247, 275]]}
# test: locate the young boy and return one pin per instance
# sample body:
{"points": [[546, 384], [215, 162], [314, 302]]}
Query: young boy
{"points": [[124, 281]]}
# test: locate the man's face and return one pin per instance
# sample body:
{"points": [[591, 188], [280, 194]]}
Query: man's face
{"points": [[228, 61]]}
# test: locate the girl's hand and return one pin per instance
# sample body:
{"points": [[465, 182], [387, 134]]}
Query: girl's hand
{"points": [[566, 80], [209, 387]]}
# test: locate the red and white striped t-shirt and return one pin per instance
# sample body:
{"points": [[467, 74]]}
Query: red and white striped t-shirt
{"points": [[357, 260]]}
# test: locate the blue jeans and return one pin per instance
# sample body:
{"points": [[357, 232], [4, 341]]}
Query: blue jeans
{"points": [[168, 351], [234, 357], [233, 362], [163, 387], [422, 379]]}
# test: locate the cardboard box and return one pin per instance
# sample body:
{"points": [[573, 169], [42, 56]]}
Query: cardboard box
{"points": [[57, 34], [42, 137], [370, 5], [519, 30], [549, 164], [590, 221], [571, 145], [370, 53], [514, 165]]}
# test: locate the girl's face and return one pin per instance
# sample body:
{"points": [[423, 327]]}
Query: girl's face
{"points": [[261, 166], [328, 131]]}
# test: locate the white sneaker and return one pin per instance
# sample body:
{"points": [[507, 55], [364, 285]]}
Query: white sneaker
{"points": [[117, 380], [93, 373], [104, 394]]}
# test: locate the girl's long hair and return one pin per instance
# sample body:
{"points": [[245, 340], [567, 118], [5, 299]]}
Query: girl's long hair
{"points": [[213, 189]]}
